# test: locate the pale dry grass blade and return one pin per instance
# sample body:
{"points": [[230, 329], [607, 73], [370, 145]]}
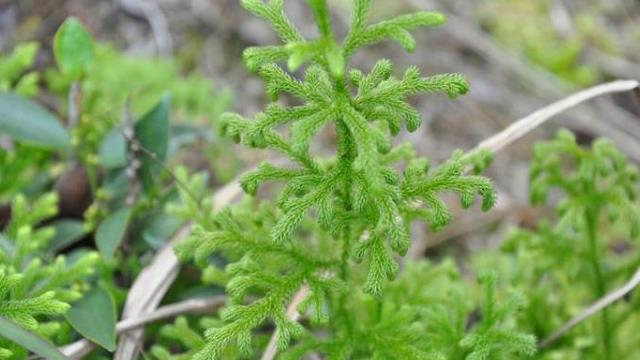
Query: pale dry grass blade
{"points": [[594, 308], [524, 125]]}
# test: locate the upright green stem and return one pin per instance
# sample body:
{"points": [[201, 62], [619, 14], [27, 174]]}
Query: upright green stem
{"points": [[346, 156], [600, 285]]}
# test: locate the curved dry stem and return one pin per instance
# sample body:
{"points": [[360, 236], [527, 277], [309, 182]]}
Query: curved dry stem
{"points": [[594, 308], [524, 125]]}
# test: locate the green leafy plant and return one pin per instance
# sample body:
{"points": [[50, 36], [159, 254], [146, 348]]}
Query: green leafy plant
{"points": [[50, 283], [17, 76], [573, 250], [15, 70], [425, 315], [180, 331], [31, 289], [356, 204]]}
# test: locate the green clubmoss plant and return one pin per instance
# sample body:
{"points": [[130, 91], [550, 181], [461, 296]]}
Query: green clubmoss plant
{"points": [[597, 207], [357, 204], [34, 293]]}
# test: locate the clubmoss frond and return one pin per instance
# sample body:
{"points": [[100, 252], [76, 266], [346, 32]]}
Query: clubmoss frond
{"points": [[601, 172], [396, 29], [180, 332], [272, 269], [491, 339], [596, 204], [32, 290], [359, 198]]}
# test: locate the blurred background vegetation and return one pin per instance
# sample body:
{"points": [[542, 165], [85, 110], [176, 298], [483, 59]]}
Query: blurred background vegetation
{"points": [[517, 54]]}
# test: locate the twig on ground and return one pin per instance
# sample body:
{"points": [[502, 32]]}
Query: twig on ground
{"points": [[621, 126], [532, 121], [293, 314], [614, 65], [133, 155], [602, 303], [147, 291], [191, 306], [150, 11]]}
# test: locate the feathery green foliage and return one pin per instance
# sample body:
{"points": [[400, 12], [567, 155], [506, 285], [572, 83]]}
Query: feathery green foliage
{"points": [[20, 167], [31, 290], [425, 314], [361, 203], [490, 339], [573, 250], [180, 332]]}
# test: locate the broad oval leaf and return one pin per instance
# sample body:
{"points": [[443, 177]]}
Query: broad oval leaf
{"points": [[73, 48], [152, 131], [94, 317], [68, 231], [158, 229], [30, 341], [27, 121], [111, 231], [113, 149]]}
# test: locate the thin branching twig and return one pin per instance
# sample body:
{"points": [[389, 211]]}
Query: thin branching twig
{"points": [[134, 145], [73, 117], [133, 155]]}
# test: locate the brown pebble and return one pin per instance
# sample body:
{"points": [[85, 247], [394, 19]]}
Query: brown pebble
{"points": [[74, 191]]}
